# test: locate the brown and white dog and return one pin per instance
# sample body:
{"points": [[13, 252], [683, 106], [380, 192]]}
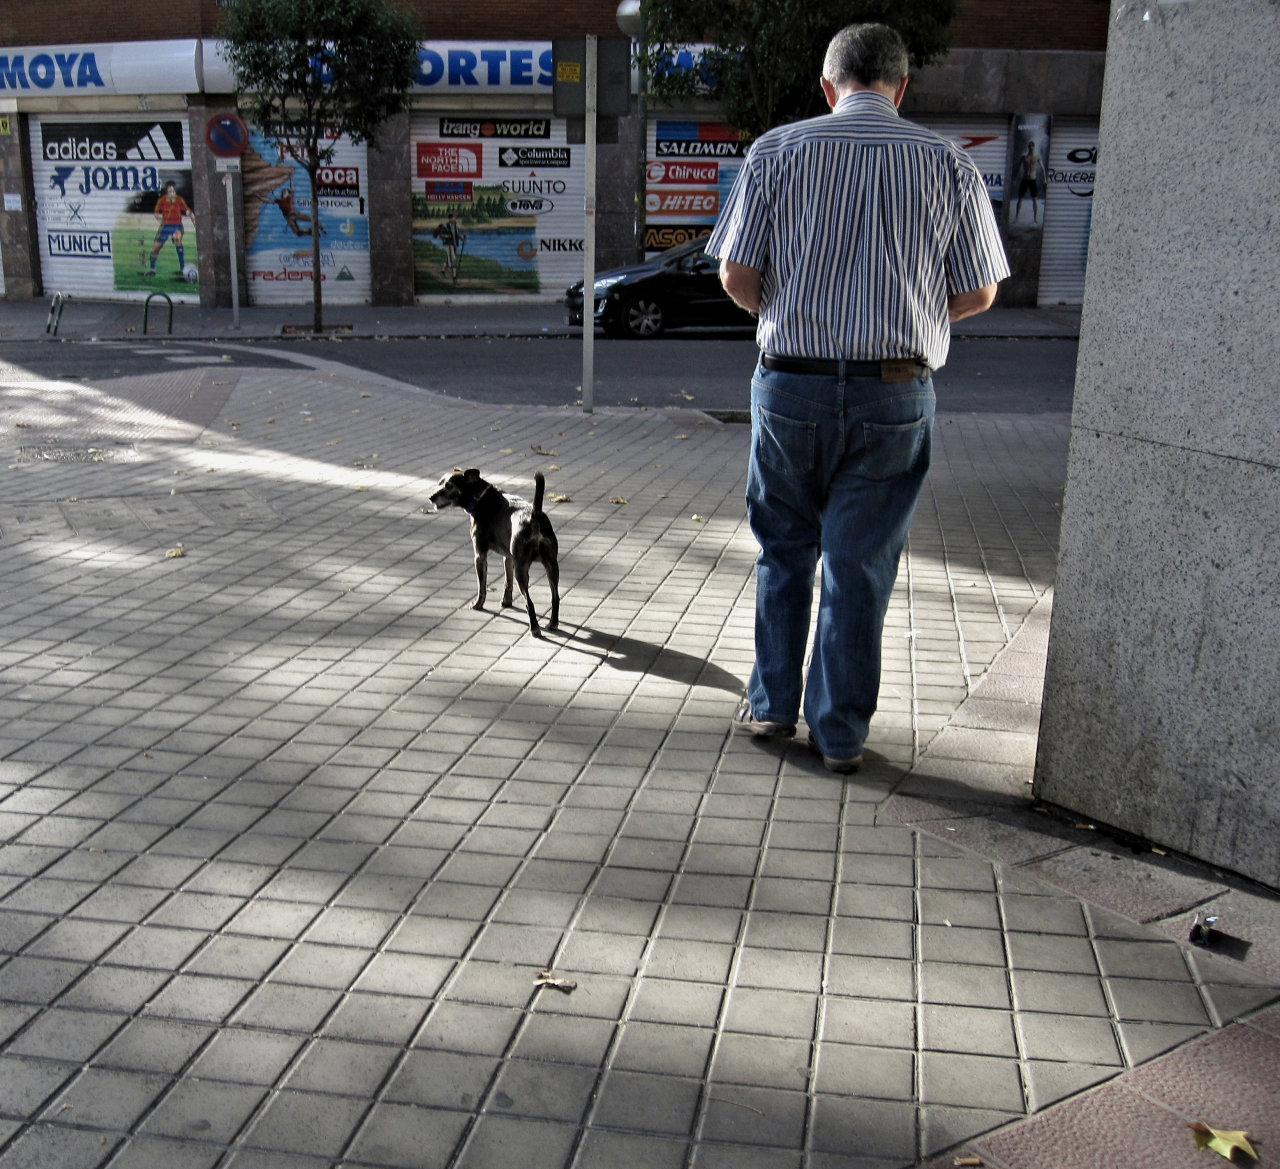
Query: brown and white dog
{"points": [[515, 529]]}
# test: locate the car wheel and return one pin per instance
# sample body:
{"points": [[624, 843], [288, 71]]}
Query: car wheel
{"points": [[642, 317]]}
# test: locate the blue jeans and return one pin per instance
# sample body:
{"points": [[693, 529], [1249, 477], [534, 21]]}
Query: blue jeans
{"points": [[836, 468]]}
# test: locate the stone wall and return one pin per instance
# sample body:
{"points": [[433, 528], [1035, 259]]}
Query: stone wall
{"points": [[1161, 709]]}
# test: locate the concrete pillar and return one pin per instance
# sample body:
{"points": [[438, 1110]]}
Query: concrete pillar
{"points": [[1162, 693], [20, 255]]}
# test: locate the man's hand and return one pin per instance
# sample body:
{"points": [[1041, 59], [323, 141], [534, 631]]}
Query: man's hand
{"points": [[742, 284], [970, 304]]}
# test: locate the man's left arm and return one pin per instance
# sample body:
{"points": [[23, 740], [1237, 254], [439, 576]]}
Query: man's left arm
{"points": [[976, 261], [970, 304]]}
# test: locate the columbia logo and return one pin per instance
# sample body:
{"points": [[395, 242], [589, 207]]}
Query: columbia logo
{"points": [[152, 145]]}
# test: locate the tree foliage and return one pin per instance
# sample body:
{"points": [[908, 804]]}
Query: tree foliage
{"points": [[764, 57], [309, 71]]}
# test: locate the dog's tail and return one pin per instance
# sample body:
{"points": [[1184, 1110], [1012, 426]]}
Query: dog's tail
{"points": [[539, 486]]}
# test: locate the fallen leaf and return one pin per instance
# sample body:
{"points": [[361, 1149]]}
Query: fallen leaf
{"points": [[537, 450], [963, 1162], [687, 397], [546, 978], [554, 467], [560, 497], [697, 519], [175, 553], [1226, 1143], [506, 450], [617, 499]]}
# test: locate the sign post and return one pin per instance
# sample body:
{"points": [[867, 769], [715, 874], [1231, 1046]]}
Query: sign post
{"points": [[579, 94], [228, 138]]}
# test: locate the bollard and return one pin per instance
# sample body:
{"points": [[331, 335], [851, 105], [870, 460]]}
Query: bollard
{"points": [[146, 308], [56, 305]]}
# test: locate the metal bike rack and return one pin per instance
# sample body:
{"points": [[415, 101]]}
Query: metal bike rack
{"points": [[146, 308], [56, 306]]}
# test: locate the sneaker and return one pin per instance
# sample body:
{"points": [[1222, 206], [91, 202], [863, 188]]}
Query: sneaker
{"points": [[759, 728], [839, 766]]}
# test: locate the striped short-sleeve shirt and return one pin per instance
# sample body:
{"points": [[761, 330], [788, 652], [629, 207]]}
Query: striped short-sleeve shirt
{"points": [[862, 224]]}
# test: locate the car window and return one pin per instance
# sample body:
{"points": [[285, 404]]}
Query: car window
{"points": [[693, 260]]}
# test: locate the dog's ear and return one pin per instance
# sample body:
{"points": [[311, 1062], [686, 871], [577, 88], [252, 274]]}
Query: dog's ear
{"points": [[473, 472]]}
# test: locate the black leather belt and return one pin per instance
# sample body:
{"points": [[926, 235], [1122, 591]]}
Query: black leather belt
{"points": [[890, 370]]}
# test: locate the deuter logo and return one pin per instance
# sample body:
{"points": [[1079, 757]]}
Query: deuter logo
{"points": [[495, 128], [107, 142]]}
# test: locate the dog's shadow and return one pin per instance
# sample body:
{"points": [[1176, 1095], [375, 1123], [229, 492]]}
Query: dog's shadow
{"points": [[633, 656]]}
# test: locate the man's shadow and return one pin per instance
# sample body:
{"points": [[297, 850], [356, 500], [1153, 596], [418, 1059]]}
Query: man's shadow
{"points": [[633, 656]]}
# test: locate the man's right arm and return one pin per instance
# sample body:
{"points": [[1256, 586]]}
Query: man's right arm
{"points": [[742, 283]]}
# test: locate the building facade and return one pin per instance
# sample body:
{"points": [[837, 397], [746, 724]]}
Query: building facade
{"points": [[124, 169]]}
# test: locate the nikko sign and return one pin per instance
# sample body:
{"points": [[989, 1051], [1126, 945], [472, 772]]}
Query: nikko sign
{"points": [[142, 67]]}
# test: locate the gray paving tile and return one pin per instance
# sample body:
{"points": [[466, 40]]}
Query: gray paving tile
{"points": [[154, 1045], [50, 1146], [1151, 1001], [850, 1127], [144, 1152], [307, 1123], [64, 1034], [639, 1152], [204, 1110], [646, 1102], [246, 1056], [502, 1142], [406, 1137], [380, 1018], [970, 1081], [106, 1098], [27, 1083]]}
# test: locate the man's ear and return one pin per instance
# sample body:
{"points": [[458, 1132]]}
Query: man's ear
{"points": [[900, 92], [829, 92]]}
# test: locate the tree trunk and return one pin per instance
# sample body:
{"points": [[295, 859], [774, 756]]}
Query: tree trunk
{"points": [[317, 312]]}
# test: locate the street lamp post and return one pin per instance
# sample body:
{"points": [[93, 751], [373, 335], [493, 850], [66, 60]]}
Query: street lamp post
{"points": [[631, 21]]}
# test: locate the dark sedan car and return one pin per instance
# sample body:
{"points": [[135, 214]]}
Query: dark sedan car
{"points": [[676, 288]]}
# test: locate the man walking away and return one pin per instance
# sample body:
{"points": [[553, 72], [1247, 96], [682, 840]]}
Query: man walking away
{"points": [[857, 237]]}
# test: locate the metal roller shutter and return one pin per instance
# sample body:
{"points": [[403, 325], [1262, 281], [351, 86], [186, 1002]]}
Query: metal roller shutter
{"points": [[1068, 210], [278, 215], [517, 189], [98, 183]]}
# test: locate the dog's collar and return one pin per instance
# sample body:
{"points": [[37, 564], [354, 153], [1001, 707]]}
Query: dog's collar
{"points": [[476, 502]]}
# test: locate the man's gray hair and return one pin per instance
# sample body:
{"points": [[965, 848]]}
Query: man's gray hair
{"points": [[865, 53]]}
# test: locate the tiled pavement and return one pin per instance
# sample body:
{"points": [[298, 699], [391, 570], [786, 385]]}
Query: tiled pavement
{"points": [[292, 834]]}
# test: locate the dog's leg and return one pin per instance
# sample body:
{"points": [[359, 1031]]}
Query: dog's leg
{"points": [[553, 579], [506, 596], [522, 578], [482, 570]]}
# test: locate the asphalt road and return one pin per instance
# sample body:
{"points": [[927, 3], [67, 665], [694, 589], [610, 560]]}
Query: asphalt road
{"points": [[695, 371]]}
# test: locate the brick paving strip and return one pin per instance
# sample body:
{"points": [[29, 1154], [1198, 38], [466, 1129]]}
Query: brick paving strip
{"points": [[291, 834]]}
